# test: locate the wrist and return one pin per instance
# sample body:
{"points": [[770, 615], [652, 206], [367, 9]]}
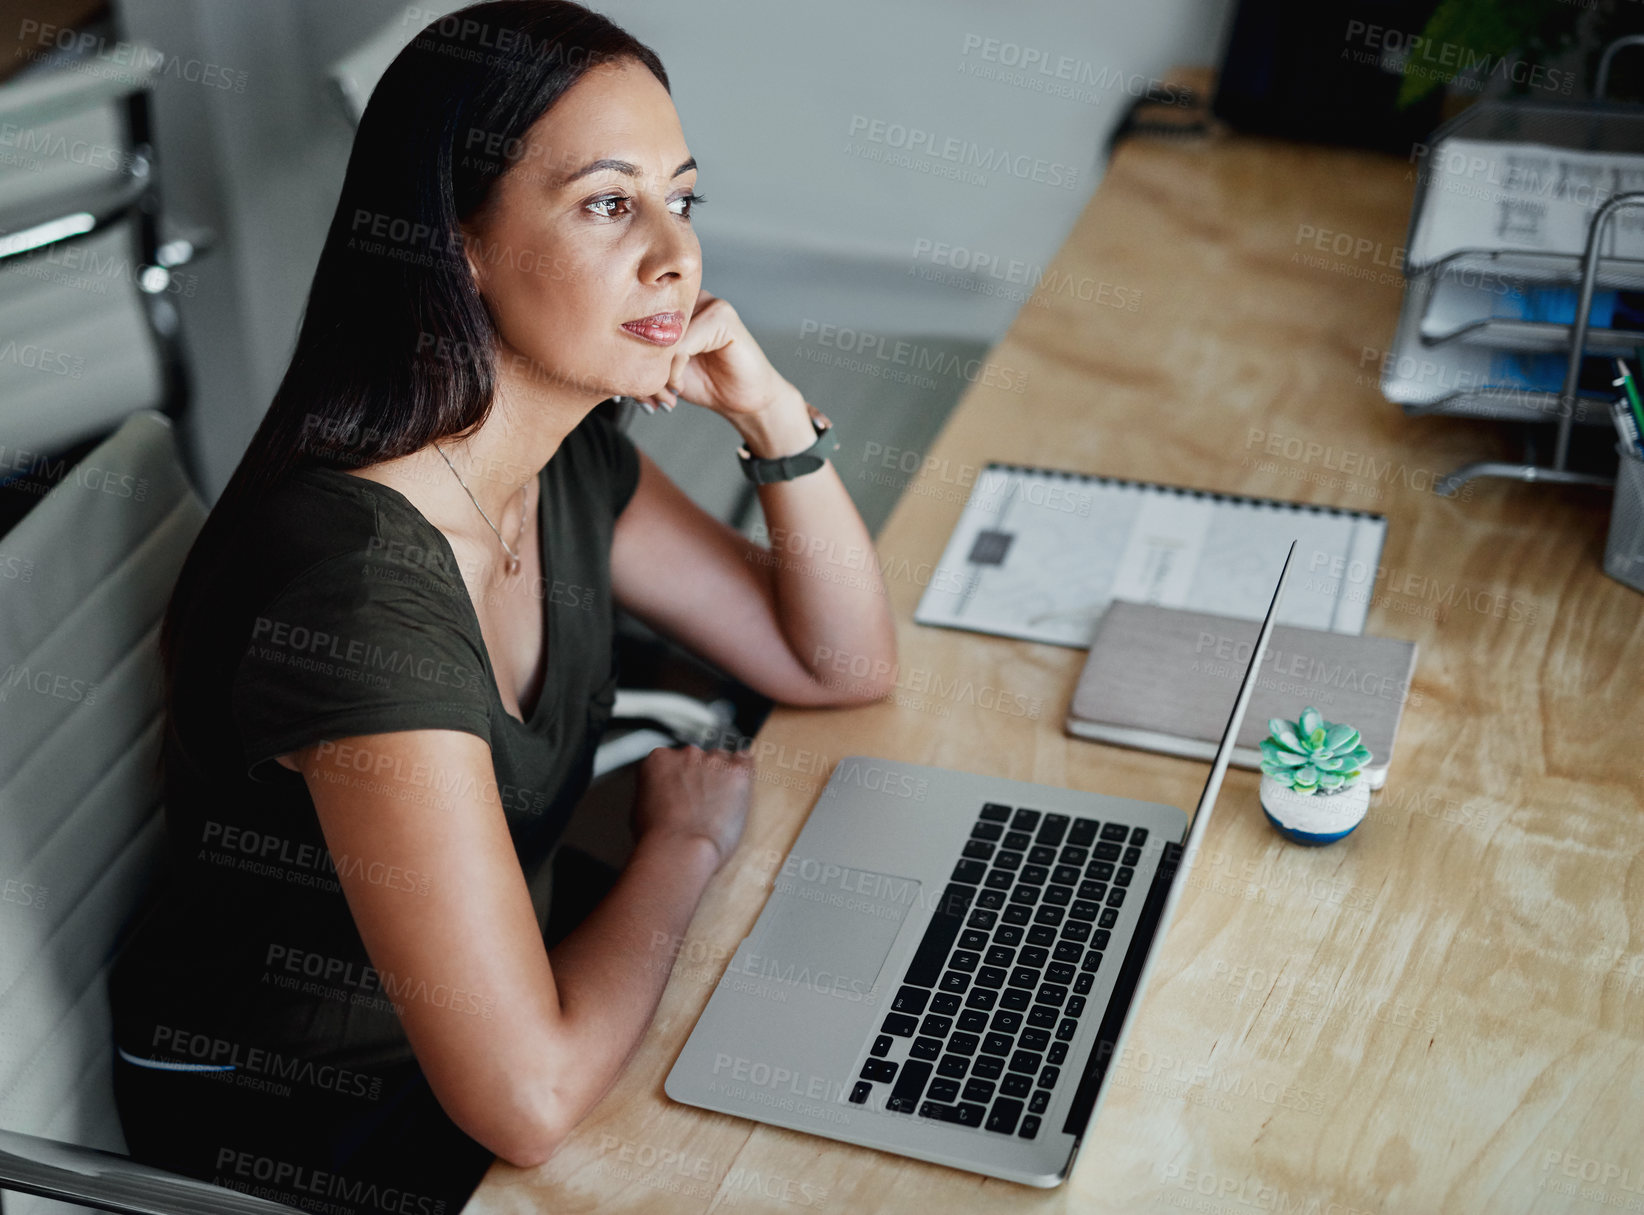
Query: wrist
{"points": [[782, 428], [696, 853]]}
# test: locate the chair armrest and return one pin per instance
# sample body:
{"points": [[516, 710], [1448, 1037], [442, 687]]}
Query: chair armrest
{"points": [[108, 1182], [688, 718]]}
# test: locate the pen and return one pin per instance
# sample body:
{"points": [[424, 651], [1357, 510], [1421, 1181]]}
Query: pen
{"points": [[1626, 381], [1622, 416]]}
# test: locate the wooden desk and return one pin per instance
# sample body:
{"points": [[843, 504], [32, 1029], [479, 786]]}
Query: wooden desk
{"points": [[1442, 1013]]}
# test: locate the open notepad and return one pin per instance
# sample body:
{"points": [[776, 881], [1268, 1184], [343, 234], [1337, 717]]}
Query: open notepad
{"points": [[1039, 553]]}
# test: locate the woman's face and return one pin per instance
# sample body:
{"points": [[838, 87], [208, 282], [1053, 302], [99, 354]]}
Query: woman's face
{"points": [[586, 255]]}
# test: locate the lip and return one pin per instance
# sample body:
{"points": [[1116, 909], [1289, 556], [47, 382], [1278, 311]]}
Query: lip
{"points": [[660, 329]]}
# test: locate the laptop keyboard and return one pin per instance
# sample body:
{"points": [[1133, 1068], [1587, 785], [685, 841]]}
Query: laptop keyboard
{"points": [[997, 988]]}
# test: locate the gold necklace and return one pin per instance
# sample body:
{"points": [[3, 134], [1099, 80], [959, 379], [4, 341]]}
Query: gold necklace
{"points": [[513, 565]]}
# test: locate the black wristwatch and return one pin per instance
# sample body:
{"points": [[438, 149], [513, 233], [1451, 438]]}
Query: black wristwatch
{"points": [[786, 468]]}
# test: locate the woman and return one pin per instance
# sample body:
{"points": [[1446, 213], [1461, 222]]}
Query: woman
{"points": [[389, 655]]}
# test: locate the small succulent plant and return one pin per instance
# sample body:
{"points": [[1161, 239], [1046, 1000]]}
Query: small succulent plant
{"points": [[1311, 755]]}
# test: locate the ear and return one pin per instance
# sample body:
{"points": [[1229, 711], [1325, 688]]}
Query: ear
{"points": [[472, 250]]}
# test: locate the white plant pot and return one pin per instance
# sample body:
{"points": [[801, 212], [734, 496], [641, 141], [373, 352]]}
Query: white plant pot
{"points": [[1314, 818]]}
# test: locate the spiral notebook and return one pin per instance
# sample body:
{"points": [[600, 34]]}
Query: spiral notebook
{"points": [[1039, 553]]}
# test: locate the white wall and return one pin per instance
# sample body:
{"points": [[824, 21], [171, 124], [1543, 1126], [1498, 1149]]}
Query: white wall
{"points": [[798, 226]]}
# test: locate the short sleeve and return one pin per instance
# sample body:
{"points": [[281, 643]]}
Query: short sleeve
{"points": [[619, 456], [356, 645]]}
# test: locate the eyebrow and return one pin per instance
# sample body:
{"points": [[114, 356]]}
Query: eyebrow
{"points": [[621, 166]]}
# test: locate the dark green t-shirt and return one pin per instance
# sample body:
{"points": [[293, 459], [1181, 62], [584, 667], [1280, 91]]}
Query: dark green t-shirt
{"points": [[341, 612]]}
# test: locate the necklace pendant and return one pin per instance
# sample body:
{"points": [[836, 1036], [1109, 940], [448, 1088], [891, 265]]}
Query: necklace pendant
{"points": [[512, 565]]}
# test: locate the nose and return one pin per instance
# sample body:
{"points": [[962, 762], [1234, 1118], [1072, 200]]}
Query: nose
{"points": [[672, 250]]}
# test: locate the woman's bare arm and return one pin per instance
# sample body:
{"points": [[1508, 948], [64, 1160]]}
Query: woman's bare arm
{"points": [[516, 1048]]}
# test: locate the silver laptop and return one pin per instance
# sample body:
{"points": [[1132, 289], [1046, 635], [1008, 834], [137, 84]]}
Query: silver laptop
{"points": [[949, 962]]}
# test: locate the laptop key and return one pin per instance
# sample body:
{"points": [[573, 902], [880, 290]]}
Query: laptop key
{"points": [[1100, 940], [1052, 994], [999, 879], [965, 1113], [880, 1071], [1002, 1118], [908, 1087], [1028, 895], [1132, 856], [859, 1094], [1007, 1022], [1116, 897], [1059, 972], [1048, 1077], [977, 850], [1033, 955], [1007, 859], [1092, 891], [1015, 1085], [1108, 918], [936, 1027], [939, 936], [969, 872], [945, 1003], [955, 981], [971, 1114], [1068, 951], [943, 1090], [1075, 1006], [1081, 910], [881, 1046], [910, 1000], [1108, 852], [1042, 854], [925, 1048], [973, 1021], [982, 918], [1066, 875], [1122, 878], [1115, 831], [1138, 835], [1035, 875], [963, 1043], [1025, 1061], [996, 1044], [1000, 955], [965, 960], [1058, 1052], [991, 899], [952, 1067], [1008, 934], [1077, 931], [982, 998], [1029, 1127], [991, 976], [988, 1067], [986, 831], [1082, 831], [1014, 998], [1051, 830], [972, 938], [995, 813], [1024, 976], [1059, 895], [1017, 914], [1086, 980], [1041, 1098], [1048, 914], [1075, 856], [1034, 1039], [900, 1024], [1041, 1016], [1017, 841], [1066, 1030], [978, 1090], [1099, 871], [1025, 820]]}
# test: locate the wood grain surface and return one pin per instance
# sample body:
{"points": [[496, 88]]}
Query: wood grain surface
{"points": [[1443, 1013]]}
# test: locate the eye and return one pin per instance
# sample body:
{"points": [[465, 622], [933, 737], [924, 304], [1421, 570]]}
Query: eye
{"points": [[608, 200], [691, 201]]}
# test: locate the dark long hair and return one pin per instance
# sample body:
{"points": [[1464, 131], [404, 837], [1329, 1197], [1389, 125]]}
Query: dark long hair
{"points": [[396, 347]]}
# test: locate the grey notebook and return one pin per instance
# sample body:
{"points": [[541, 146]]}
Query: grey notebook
{"points": [[1164, 679]]}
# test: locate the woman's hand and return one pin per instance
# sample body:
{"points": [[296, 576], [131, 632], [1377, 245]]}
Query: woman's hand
{"points": [[687, 791], [719, 366]]}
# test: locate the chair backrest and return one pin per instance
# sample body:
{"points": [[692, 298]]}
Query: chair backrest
{"points": [[84, 582]]}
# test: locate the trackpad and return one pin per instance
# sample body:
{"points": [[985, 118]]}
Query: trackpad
{"points": [[830, 928]]}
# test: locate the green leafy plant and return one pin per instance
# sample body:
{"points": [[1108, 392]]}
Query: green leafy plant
{"points": [[1311, 755], [1487, 31]]}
